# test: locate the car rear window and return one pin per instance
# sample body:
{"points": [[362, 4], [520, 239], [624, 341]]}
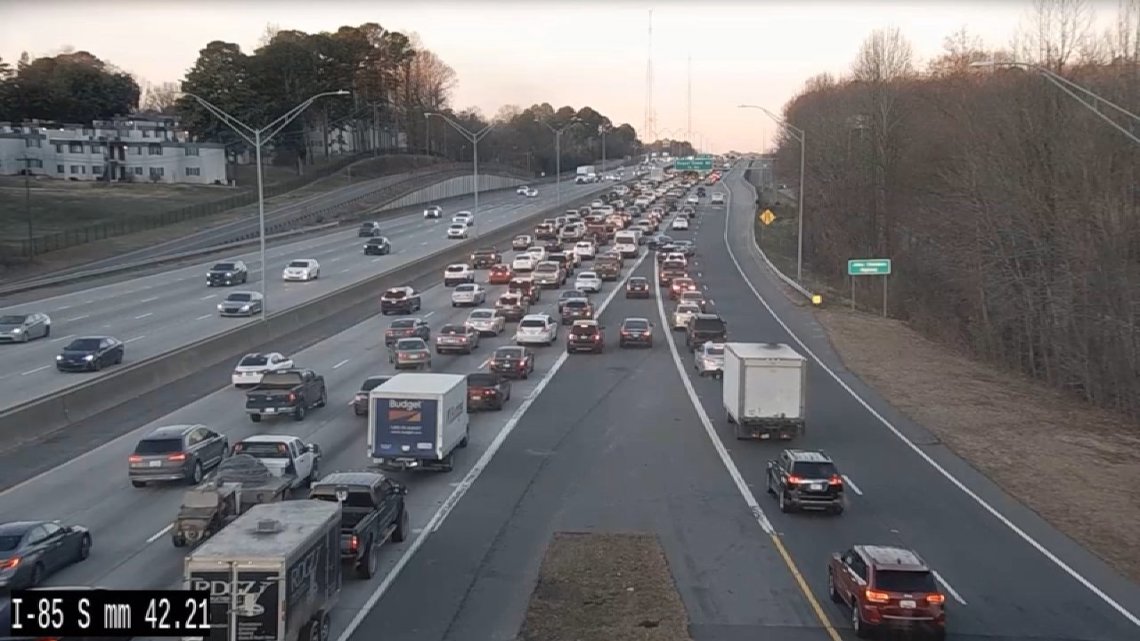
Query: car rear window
{"points": [[907, 581], [576, 302], [532, 323], [457, 268], [262, 450], [509, 300], [254, 360], [158, 446], [509, 352], [395, 293], [465, 288], [410, 344], [482, 380], [580, 330], [814, 470], [636, 324], [370, 384], [715, 350], [452, 329], [403, 323], [709, 324]]}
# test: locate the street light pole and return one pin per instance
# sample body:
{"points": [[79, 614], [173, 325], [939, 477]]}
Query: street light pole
{"points": [[257, 138], [801, 136], [474, 137], [557, 131], [1068, 86], [602, 129], [28, 204]]}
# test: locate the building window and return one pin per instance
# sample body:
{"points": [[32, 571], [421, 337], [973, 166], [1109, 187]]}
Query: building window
{"points": [[75, 147], [32, 142], [193, 171], [137, 170], [60, 169], [154, 149], [191, 151], [145, 133], [156, 172], [58, 148], [75, 169], [34, 163], [136, 150]]}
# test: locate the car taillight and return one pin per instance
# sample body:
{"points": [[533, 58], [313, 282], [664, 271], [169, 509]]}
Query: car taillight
{"points": [[835, 480], [134, 458], [792, 478], [874, 596], [177, 457], [353, 543], [8, 564], [936, 599], [292, 397], [597, 338]]}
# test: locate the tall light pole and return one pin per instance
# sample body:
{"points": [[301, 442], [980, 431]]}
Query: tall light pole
{"points": [[799, 135], [557, 131], [474, 137], [1069, 87], [258, 138], [28, 204], [603, 130]]}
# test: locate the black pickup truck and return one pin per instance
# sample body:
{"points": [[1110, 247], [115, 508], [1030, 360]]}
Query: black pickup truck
{"points": [[485, 258], [372, 513], [286, 392]]}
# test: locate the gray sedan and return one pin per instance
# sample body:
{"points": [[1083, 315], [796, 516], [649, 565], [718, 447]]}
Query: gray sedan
{"points": [[21, 328], [708, 360], [241, 304]]}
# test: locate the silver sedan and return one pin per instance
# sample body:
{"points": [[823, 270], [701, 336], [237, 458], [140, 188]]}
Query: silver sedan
{"points": [[488, 322], [21, 328], [708, 360], [468, 294]]}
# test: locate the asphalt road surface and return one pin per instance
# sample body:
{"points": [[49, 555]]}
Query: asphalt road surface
{"points": [[132, 547], [157, 313]]}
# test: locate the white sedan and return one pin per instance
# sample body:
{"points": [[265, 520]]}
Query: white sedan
{"points": [[457, 231], [680, 223], [468, 294], [522, 190], [531, 193], [588, 282], [536, 329], [252, 367], [693, 200], [302, 269], [435, 211]]}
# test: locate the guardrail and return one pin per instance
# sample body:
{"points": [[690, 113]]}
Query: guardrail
{"points": [[41, 416], [759, 253]]}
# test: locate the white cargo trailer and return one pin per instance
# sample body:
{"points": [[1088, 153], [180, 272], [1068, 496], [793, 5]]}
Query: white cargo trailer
{"points": [[764, 391], [415, 421]]}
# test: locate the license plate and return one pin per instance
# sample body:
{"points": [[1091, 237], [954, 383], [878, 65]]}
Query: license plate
{"points": [[155, 464], [816, 487], [269, 410], [910, 605]]}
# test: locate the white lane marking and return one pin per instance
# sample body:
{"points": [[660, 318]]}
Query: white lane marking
{"points": [[733, 471], [428, 314], [63, 338], [88, 302], [425, 243], [136, 338], [77, 318], [376, 260], [444, 510], [159, 534], [142, 316], [341, 364], [851, 484], [149, 300], [1003, 519], [203, 317], [33, 371], [333, 259], [62, 307], [346, 270], [208, 297], [951, 590]]}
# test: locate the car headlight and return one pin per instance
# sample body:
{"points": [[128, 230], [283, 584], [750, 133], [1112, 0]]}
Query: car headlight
{"points": [[220, 307], [59, 358], [245, 308], [89, 357], [18, 330]]}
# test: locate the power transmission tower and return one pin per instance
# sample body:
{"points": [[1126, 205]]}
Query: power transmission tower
{"points": [[689, 121], [650, 116]]}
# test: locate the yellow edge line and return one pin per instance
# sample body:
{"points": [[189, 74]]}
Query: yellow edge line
{"points": [[819, 613]]}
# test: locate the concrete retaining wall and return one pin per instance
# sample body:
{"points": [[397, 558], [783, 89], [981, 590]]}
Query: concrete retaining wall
{"points": [[452, 187], [36, 418]]}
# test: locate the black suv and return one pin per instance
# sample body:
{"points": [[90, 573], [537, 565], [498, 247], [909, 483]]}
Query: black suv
{"points": [[228, 273], [805, 479], [704, 328]]}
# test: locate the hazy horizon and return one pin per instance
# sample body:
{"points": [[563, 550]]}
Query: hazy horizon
{"points": [[581, 54]]}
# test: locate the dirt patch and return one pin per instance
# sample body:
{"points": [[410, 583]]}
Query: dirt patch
{"points": [[1061, 457], [605, 587]]}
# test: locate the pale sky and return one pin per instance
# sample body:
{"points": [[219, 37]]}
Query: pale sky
{"points": [[515, 52]]}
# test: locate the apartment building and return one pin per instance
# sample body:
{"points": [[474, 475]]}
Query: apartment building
{"points": [[129, 149]]}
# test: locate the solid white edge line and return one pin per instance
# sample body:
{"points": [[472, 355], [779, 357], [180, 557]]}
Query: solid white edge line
{"points": [[949, 588], [1132, 618], [472, 475], [733, 471], [154, 537], [851, 484]]}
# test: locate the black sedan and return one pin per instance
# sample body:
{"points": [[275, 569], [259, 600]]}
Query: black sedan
{"points": [[360, 400], [487, 391], [512, 362], [30, 551], [377, 247], [90, 354]]}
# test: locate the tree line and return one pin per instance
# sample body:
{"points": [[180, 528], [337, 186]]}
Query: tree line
{"points": [[393, 80], [1011, 211]]}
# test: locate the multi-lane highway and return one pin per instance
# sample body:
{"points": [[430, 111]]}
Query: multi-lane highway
{"points": [[132, 548], [160, 312]]}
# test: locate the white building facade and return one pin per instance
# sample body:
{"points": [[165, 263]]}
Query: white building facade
{"points": [[129, 149]]}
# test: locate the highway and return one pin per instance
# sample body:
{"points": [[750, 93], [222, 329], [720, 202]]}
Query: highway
{"points": [[157, 313], [132, 547]]}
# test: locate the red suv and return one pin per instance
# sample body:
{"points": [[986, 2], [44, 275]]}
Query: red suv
{"points": [[887, 587]]}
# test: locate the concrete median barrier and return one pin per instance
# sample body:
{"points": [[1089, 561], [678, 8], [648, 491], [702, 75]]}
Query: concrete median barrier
{"points": [[35, 419]]}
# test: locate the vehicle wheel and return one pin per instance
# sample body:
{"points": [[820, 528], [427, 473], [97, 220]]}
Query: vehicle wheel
{"points": [[324, 400], [357, 412], [84, 547], [832, 592], [96, 365], [311, 631], [785, 506], [299, 413], [861, 630], [367, 566], [195, 474], [119, 359], [138, 483], [256, 418], [401, 531], [326, 626], [463, 443], [37, 576], [178, 540], [771, 490], [448, 463]]}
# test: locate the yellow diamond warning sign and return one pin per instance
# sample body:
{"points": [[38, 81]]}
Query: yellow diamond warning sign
{"points": [[767, 216]]}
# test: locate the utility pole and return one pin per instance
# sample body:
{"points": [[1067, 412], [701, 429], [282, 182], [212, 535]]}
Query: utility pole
{"points": [[28, 204]]}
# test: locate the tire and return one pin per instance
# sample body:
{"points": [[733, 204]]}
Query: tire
{"points": [[47, 331], [299, 412], [463, 443], [366, 568], [256, 418], [448, 463], [326, 626], [324, 400], [195, 474], [401, 532], [311, 631], [861, 631], [837, 510], [84, 547], [37, 576], [832, 592], [785, 506], [770, 489], [138, 483]]}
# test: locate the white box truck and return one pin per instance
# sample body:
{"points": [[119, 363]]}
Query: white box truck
{"points": [[764, 390], [415, 422], [274, 574]]}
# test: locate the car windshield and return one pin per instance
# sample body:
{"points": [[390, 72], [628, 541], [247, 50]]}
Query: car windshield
{"points": [[254, 360], [224, 267], [299, 263], [482, 315], [12, 320], [509, 353], [482, 380], [158, 446], [410, 344], [905, 581], [636, 324], [403, 323], [377, 241], [465, 288], [814, 469], [533, 323], [395, 293], [372, 383], [367, 225], [238, 298], [83, 345], [458, 226]]}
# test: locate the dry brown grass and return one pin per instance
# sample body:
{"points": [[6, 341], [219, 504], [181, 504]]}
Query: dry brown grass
{"points": [[605, 587]]}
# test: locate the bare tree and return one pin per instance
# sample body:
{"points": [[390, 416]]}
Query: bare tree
{"points": [[960, 51], [161, 98], [268, 34], [884, 56], [1055, 32]]}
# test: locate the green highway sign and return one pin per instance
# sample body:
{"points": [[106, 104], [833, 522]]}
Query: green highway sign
{"points": [[699, 163], [869, 267]]}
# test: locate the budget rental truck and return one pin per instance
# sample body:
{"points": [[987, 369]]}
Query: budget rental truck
{"points": [[274, 574], [416, 421], [764, 390]]}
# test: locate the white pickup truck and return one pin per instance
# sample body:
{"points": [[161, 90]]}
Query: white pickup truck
{"points": [[284, 456]]}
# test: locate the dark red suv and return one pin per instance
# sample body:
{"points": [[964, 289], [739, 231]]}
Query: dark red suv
{"points": [[888, 588]]}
